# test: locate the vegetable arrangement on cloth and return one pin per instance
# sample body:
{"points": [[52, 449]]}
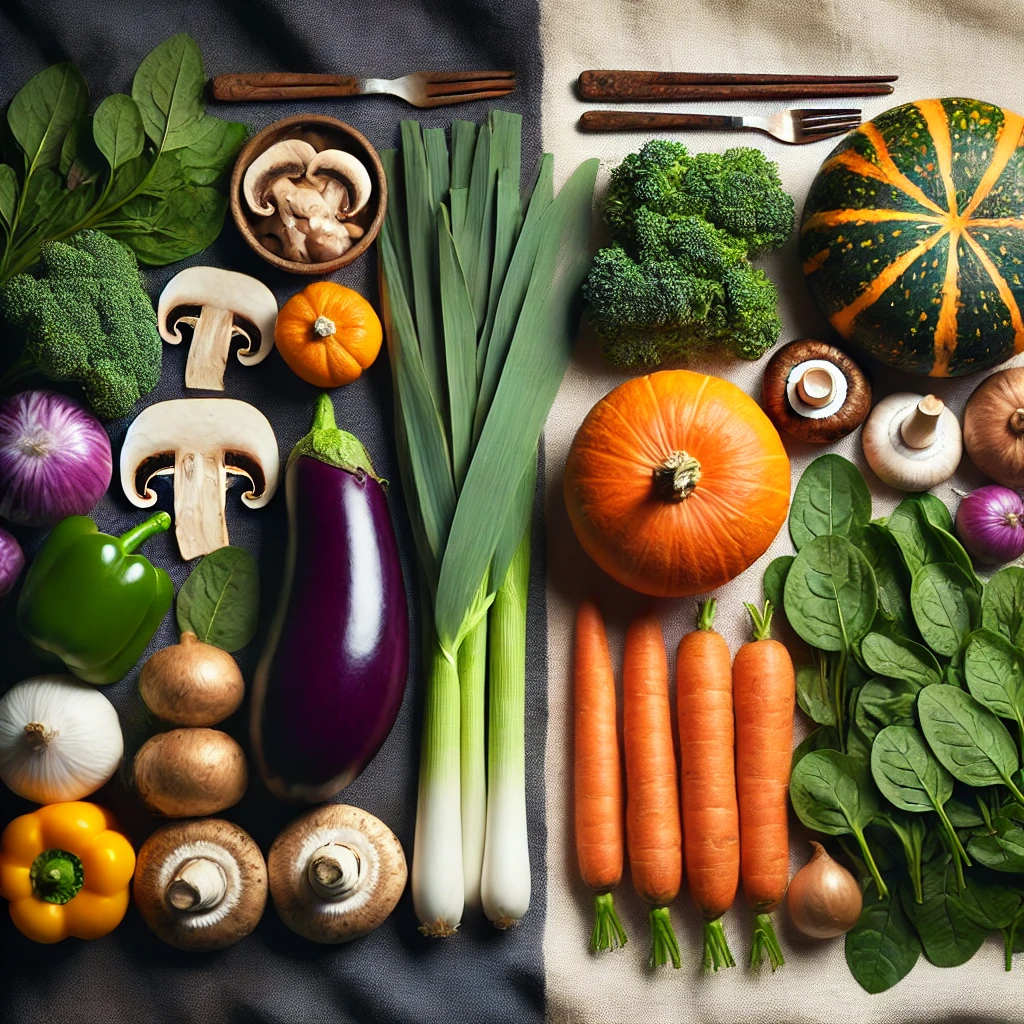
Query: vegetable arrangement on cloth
{"points": [[912, 669], [479, 312]]}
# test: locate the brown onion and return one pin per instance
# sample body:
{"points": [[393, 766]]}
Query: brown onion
{"points": [[192, 683], [994, 427], [824, 899]]}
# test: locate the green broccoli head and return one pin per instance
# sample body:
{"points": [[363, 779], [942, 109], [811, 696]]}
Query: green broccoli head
{"points": [[87, 319], [738, 191], [687, 286]]}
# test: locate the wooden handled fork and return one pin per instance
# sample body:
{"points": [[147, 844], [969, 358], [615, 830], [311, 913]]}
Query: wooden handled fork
{"points": [[420, 89]]}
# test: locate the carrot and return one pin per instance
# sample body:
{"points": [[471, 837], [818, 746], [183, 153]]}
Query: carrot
{"points": [[711, 824], [653, 832], [599, 824], [764, 689]]}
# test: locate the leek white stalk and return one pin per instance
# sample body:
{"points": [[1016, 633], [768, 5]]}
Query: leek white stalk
{"points": [[505, 885], [472, 683], [438, 889]]}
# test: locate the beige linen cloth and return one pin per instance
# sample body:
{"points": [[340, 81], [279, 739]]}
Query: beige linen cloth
{"points": [[938, 48]]}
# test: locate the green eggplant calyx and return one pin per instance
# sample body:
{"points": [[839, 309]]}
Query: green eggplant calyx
{"points": [[57, 876], [157, 523], [328, 443]]}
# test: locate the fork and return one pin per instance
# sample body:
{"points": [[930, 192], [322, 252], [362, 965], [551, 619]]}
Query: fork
{"points": [[796, 126], [420, 89]]}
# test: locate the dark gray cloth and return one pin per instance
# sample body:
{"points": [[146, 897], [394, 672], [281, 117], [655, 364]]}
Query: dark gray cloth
{"points": [[273, 976]]}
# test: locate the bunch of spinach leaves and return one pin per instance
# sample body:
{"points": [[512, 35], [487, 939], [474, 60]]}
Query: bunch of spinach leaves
{"points": [[144, 168], [912, 670]]}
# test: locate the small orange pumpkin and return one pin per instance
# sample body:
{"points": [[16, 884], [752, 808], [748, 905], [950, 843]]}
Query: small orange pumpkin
{"points": [[676, 482], [328, 334]]}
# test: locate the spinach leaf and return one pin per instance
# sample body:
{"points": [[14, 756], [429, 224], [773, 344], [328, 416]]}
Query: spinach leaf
{"points": [[1002, 604], [990, 904], [168, 88], [940, 606], [43, 111], [81, 162], [882, 947], [896, 658], [211, 155], [949, 934], [995, 675], [884, 702], [1000, 848], [962, 808], [907, 773], [813, 693], [970, 742], [833, 793], [830, 594], [117, 130], [909, 528], [891, 575], [823, 738], [911, 830], [220, 600], [933, 509], [831, 498], [8, 194], [775, 580]]}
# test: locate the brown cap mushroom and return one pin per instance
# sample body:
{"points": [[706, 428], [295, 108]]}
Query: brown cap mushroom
{"points": [[200, 441], [336, 873], [815, 392], [270, 177], [343, 179], [219, 306], [200, 885]]}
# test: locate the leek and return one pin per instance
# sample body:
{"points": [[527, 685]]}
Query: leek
{"points": [[505, 885], [480, 314]]}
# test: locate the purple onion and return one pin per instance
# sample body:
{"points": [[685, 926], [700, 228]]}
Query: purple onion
{"points": [[54, 459], [12, 561], [990, 523]]}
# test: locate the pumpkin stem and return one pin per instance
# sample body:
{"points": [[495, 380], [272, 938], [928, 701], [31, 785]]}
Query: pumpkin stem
{"points": [[1016, 423], [323, 327], [676, 478]]}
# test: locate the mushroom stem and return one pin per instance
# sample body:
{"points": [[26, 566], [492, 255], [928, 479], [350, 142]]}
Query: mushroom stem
{"points": [[333, 871], [677, 477], [208, 353], [324, 327], [816, 387], [199, 884], [199, 483], [920, 429], [38, 735]]}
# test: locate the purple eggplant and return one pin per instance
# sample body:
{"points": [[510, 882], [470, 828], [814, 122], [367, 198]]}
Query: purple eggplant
{"points": [[331, 678]]}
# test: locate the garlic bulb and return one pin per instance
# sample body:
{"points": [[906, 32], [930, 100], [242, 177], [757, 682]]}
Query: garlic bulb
{"points": [[59, 739]]}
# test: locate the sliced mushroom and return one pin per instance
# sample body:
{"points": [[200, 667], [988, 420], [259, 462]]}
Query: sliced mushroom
{"points": [[815, 392], [219, 305], [343, 179], [269, 176], [287, 242], [200, 885], [200, 441], [336, 873]]}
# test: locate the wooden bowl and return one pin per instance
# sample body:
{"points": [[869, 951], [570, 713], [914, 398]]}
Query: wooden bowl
{"points": [[323, 133]]}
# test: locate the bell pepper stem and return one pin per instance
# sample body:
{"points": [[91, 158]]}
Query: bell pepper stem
{"points": [[56, 876], [137, 535]]}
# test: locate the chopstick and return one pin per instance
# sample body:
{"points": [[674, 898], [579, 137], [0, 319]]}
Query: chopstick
{"points": [[627, 86]]}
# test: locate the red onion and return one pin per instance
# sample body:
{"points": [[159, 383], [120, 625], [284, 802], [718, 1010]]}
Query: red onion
{"points": [[54, 459], [990, 523], [12, 561]]}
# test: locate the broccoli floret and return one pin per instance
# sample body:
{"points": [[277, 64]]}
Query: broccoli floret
{"points": [[738, 191], [688, 287], [678, 278], [87, 319]]}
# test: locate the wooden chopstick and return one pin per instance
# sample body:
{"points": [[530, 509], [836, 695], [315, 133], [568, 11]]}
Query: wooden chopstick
{"points": [[627, 86]]}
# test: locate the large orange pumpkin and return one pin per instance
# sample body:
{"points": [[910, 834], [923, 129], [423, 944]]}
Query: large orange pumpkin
{"points": [[676, 482], [328, 334]]}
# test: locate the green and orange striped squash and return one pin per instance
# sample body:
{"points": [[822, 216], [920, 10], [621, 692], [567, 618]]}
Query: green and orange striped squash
{"points": [[912, 237]]}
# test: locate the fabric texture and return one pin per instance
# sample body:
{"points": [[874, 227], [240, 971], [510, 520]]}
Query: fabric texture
{"points": [[394, 975], [938, 48]]}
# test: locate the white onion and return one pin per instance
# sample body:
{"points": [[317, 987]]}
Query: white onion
{"points": [[59, 739], [55, 459]]}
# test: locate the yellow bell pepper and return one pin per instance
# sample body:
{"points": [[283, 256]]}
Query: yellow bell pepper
{"points": [[65, 872]]}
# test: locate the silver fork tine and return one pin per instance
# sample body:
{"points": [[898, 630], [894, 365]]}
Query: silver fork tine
{"points": [[805, 114], [825, 126], [465, 76], [468, 97]]}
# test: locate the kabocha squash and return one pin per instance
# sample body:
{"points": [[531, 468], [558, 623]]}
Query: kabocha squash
{"points": [[912, 237], [328, 334], [676, 482]]}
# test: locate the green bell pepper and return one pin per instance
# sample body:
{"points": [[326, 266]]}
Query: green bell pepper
{"points": [[93, 603]]}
